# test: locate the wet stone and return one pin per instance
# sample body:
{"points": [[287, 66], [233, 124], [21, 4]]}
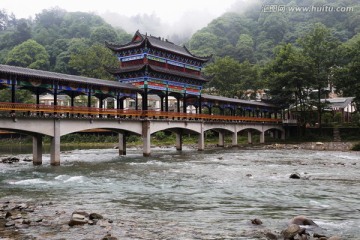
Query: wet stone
{"points": [[10, 224], [256, 221], [26, 221], [291, 231], [270, 236], [295, 176], [95, 216]]}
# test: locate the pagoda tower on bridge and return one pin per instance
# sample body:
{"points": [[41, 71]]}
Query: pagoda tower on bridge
{"points": [[160, 67]]}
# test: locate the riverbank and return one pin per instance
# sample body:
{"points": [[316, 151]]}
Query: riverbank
{"points": [[318, 146]]}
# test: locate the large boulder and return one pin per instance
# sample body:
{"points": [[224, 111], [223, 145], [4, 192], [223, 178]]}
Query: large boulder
{"points": [[10, 160], [79, 218], [291, 231], [295, 176], [302, 220], [256, 221], [95, 216], [270, 236]]}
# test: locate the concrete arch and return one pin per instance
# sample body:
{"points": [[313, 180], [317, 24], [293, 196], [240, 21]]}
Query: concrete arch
{"points": [[40, 126], [72, 126], [251, 129], [21, 132], [166, 125], [281, 129], [229, 129]]}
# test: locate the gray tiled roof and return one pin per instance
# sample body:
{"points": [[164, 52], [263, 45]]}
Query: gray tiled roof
{"points": [[233, 100], [338, 103], [27, 72], [158, 43]]}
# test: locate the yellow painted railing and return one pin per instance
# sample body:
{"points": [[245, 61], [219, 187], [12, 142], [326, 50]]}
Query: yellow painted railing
{"points": [[66, 110]]}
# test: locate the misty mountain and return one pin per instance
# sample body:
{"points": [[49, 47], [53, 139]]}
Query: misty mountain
{"points": [[251, 30], [178, 32]]}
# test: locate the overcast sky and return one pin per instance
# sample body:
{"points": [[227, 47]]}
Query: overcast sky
{"points": [[168, 11]]}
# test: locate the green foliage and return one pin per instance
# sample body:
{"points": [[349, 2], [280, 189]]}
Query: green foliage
{"points": [[101, 34], [29, 54], [90, 62], [268, 29], [320, 47], [21, 96], [245, 48], [63, 35], [356, 147], [287, 77], [347, 75], [160, 135], [231, 78]]}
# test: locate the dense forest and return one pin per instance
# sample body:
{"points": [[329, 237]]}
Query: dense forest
{"points": [[60, 41], [292, 55], [297, 57]]}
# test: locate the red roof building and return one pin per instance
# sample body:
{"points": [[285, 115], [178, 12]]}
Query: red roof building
{"points": [[159, 67]]}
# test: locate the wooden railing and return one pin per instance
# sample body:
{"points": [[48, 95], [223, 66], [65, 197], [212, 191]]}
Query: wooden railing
{"points": [[66, 111]]}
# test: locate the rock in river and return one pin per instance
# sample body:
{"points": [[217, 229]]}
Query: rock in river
{"points": [[302, 220], [79, 218]]}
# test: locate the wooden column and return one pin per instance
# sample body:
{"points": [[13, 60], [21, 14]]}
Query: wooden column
{"points": [[166, 101]]}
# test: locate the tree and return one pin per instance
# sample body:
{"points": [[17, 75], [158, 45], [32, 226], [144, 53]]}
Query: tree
{"points": [[320, 47], [287, 77], [55, 49], [102, 34], [347, 76], [21, 96], [203, 43], [90, 62], [75, 46], [29, 54], [3, 20], [245, 48], [230, 78]]}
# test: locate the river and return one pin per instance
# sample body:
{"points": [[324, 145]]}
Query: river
{"points": [[189, 195]]}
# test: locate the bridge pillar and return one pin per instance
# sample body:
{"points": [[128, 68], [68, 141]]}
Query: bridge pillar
{"points": [[221, 139], [178, 141], [122, 144], [282, 135], [262, 137], [37, 150], [55, 145], [249, 137], [146, 138], [201, 141], [234, 139]]}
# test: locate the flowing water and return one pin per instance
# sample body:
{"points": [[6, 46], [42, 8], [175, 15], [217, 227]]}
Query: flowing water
{"points": [[191, 195]]}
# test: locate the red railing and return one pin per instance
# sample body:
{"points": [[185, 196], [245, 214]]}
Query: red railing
{"points": [[94, 112]]}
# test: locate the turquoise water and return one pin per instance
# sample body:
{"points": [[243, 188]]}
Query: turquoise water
{"points": [[191, 195]]}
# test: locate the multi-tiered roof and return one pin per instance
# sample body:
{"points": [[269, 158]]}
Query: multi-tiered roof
{"points": [[157, 64]]}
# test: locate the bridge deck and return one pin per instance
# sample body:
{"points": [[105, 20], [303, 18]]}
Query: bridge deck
{"points": [[73, 111]]}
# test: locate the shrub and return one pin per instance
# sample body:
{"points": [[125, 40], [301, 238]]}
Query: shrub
{"points": [[356, 147]]}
